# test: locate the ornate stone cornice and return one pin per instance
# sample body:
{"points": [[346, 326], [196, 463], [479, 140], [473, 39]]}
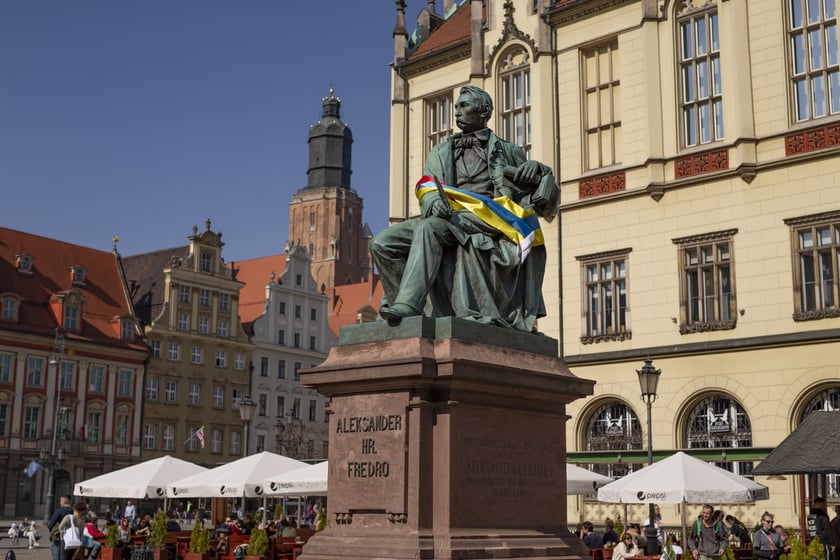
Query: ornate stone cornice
{"points": [[511, 32], [582, 10], [705, 237]]}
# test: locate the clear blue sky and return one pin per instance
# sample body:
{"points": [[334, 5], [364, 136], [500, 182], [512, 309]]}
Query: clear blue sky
{"points": [[142, 118]]}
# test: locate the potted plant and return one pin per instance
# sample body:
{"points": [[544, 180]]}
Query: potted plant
{"points": [[112, 538], [258, 544], [157, 536], [199, 542]]}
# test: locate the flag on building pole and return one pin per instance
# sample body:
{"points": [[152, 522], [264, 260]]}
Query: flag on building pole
{"points": [[84, 432], [200, 435], [32, 468]]}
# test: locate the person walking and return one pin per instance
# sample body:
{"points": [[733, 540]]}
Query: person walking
{"points": [[818, 525], [130, 512], [767, 543], [63, 510], [76, 522], [708, 539]]}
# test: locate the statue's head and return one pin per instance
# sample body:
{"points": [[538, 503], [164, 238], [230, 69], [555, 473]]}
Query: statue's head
{"points": [[473, 109]]}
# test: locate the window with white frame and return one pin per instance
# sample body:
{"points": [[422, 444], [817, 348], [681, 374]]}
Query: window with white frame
{"points": [[216, 441], [262, 400], [707, 282], [206, 261], [606, 309], [515, 89], [127, 329], [197, 354], [97, 379], [183, 321], [234, 443], [168, 438], [10, 307], [264, 366], [601, 105], [701, 89], [814, 62], [67, 380], [155, 348], [149, 431], [192, 439], [204, 297], [439, 121], [222, 329], [124, 382], [174, 351], [121, 426], [170, 391], [203, 324], [184, 294], [195, 393], [32, 421], [34, 371], [221, 358], [93, 429], [5, 367], [71, 315], [281, 369], [151, 389], [816, 242], [218, 396], [224, 302], [239, 361]]}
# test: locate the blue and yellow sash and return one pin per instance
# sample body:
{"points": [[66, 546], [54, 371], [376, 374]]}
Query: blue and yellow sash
{"points": [[520, 226]]}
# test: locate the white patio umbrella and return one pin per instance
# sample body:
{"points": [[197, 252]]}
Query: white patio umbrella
{"points": [[243, 477], [311, 480], [583, 481], [682, 479], [143, 480]]}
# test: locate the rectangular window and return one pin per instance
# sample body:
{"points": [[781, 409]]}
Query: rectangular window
{"points": [[151, 389], [297, 340], [126, 329], [31, 422], [239, 361], [297, 311], [124, 382], [236, 397], [168, 438], [438, 120], [34, 371], [814, 70], [817, 250], [121, 429], [298, 366], [216, 441], [93, 430], [298, 279], [203, 324], [183, 321], [67, 381], [97, 379], [4, 419], [707, 288], [234, 444], [170, 391], [281, 337], [281, 369], [221, 358], [282, 308], [601, 106], [219, 396], [313, 314], [312, 343], [197, 354], [149, 436], [192, 439], [195, 393], [701, 89], [174, 351], [223, 327], [5, 368], [204, 297], [224, 302], [71, 317], [515, 106], [281, 407], [155, 348], [262, 400], [184, 294], [296, 408], [9, 309], [264, 366], [206, 260], [605, 302], [313, 409]]}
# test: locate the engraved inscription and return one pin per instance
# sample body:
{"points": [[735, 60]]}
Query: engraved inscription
{"points": [[509, 468]]}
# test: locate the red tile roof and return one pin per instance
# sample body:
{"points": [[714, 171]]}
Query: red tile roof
{"points": [[454, 31], [346, 302], [256, 273], [103, 290]]}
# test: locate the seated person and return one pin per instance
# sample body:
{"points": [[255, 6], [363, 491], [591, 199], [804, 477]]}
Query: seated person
{"points": [[144, 527], [93, 534], [610, 536], [627, 548], [590, 538]]}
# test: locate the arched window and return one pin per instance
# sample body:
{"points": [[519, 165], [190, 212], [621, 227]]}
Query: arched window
{"points": [[720, 422], [827, 400], [514, 105], [613, 427]]}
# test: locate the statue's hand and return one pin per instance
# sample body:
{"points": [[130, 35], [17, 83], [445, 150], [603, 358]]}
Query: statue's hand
{"points": [[432, 205], [528, 175]]}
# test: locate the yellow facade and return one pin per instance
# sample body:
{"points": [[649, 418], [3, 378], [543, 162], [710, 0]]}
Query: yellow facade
{"points": [[652, 198]]}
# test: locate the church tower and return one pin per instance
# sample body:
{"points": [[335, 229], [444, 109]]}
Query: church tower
{"points": [[325, 217]]}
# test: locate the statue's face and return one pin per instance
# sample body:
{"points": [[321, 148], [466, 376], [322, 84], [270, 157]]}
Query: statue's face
{"points": [[469, 116]]}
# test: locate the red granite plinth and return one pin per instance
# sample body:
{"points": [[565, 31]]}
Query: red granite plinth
{"points": [[447, 441]]}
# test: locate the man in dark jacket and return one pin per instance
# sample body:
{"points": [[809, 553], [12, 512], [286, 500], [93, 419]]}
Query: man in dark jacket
{"points": [[818, 525], [59, 514]]}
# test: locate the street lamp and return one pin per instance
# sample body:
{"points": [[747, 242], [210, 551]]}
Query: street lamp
{"points": [[54, 457], [247, 407], [648, 380]]}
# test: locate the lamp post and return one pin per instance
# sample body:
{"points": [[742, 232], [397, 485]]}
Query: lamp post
{"points": [[648, 380], [247, 407], [54, 457]]}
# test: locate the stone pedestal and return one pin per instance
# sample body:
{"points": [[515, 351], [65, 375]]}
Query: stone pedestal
{"points": [[447, 441]]}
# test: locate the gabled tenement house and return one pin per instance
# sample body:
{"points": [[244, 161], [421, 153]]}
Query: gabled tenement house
{"points": [[200, 357], [696, 143], [72, 363]]}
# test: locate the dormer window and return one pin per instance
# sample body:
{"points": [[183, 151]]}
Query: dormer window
{"points": [[77, 275], [68, 309], [206, 262], [24, 263], [72, 312], [127, 329], [10, 307]]}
